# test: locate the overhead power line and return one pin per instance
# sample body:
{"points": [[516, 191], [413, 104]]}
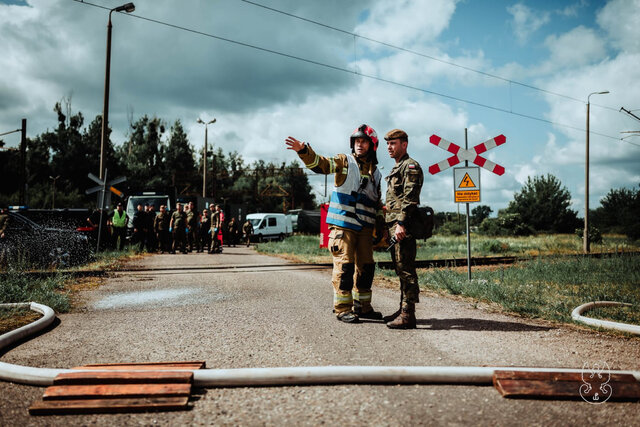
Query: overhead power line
{"points": [[342, 69], [424, 55]]}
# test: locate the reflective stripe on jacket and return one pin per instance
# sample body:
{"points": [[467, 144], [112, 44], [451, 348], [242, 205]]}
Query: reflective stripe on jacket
{"points": [[351, 206]]}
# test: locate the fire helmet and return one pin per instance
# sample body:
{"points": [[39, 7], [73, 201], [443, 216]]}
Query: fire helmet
{"points": [[367, 132]]}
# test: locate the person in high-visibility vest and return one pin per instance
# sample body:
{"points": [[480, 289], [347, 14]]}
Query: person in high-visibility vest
{"points": [[119, 221], [354, 210]]}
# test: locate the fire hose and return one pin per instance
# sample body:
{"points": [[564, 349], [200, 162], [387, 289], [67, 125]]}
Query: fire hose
{"points": [[325, 375]]}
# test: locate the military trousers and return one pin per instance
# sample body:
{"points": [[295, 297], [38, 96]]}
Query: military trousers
{"points": [[403, 256], [353, 268]]}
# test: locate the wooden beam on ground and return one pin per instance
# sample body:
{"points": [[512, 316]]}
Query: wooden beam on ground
{"points": [[567, 385], [97, 406]]}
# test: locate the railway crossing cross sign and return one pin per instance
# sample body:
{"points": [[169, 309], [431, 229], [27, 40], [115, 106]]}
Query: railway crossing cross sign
{"points": [[461, 154]]}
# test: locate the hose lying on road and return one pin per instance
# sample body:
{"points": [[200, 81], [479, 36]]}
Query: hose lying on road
{"points": [[576, 315], [275, 376]]}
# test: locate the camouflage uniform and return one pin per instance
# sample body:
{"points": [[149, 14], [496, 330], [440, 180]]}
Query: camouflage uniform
{"points": [[216, 229], [352, 250], [179, 223], [192, 225], [161, 227], [403, 197]]}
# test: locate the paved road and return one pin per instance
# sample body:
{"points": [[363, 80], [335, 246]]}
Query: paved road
{"points": [[240, 309]]}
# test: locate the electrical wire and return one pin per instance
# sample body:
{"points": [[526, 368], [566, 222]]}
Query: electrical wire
{"points": [[424, 55], [345, 70]]}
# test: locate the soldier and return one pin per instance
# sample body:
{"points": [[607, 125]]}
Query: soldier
{"points": [[354, 210], [232, 231], [140, 227], [161, 227], [403, 197], [150, 235], [193, 227], [247, 230], [205, 231], [118, 221], [178, 226], [216, 229]]}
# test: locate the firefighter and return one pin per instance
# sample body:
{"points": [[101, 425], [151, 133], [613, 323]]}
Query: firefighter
{"points": [[354, 210], [403, 197]]}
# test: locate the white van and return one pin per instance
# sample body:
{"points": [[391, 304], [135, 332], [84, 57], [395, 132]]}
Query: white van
{"points": [[269, 226]]}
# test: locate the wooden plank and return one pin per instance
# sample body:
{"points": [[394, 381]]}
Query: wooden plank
{"points": [[563, 389], [557, 376], [115, 391], [95, 406], [190, 365], [123, 377]]}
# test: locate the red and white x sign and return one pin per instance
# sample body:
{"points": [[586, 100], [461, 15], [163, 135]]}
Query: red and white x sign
{"points": [[461, 154]]}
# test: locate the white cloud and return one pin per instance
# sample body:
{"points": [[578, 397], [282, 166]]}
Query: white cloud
{"points": [[620, 19], [387, 21], [575, 48], [526, 21]]}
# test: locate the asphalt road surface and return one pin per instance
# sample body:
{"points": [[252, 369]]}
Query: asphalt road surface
{"points": [[240, 309]]}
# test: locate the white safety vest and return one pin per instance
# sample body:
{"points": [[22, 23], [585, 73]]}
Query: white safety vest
{"points": [[351, 206]]}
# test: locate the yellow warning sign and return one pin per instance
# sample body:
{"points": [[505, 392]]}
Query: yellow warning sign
{"points": [[467, 182], [469, 196]]}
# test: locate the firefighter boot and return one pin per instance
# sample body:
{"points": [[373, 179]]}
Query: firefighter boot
{"points": [[407, 318], [371, 314], [348, 317]]}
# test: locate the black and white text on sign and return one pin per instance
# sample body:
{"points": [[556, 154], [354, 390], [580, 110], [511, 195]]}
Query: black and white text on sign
{"points": [[472, 155]]}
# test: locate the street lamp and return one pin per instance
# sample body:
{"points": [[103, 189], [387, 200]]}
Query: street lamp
{"points": [[585, 233], [204, 163], [129, 7], [53, 184]]}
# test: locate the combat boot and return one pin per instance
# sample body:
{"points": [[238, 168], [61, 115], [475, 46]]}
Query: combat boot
{"points": [[407, 318], [393, 316]]}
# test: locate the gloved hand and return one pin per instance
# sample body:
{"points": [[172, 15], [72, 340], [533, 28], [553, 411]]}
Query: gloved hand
{"points": [[170, 229], [186, 230], [215, 229], [209, 231]]}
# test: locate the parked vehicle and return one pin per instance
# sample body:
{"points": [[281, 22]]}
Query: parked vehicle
{"points": [[270, 226], [146, 198], [34, 244]]}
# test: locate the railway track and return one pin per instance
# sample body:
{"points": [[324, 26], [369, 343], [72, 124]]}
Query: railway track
{"points": [[387, 265]]}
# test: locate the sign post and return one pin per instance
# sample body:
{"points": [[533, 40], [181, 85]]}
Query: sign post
{"points": [[466, 180], [102, 186]]}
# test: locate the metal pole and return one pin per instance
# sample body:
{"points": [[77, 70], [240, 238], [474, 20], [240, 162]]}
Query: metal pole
{"points": [[585, 233], [102, 196], [204, 163], [23, 163], [466, 164], [105, 108]]}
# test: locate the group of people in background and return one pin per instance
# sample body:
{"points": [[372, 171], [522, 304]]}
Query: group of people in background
{"points": [[182, 230]]}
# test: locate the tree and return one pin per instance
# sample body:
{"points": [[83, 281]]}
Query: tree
{"points": [[619, 212], [142, 155], [543, 204], [479, 213]]}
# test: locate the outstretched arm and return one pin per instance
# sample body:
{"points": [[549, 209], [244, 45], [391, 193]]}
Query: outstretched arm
{"points": [[294, 144]]}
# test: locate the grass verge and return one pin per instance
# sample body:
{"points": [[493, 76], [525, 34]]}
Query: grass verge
{"points": [[548, 288], [55, 291]]}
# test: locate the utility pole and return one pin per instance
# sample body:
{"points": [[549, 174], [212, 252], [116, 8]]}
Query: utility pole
{"points": [[23, 163]]}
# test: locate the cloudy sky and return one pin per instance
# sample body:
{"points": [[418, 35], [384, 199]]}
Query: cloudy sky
{"points": [[519, 68]]}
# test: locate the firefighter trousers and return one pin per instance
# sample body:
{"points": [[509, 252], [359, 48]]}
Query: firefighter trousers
{"points": [[353, 268]]}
